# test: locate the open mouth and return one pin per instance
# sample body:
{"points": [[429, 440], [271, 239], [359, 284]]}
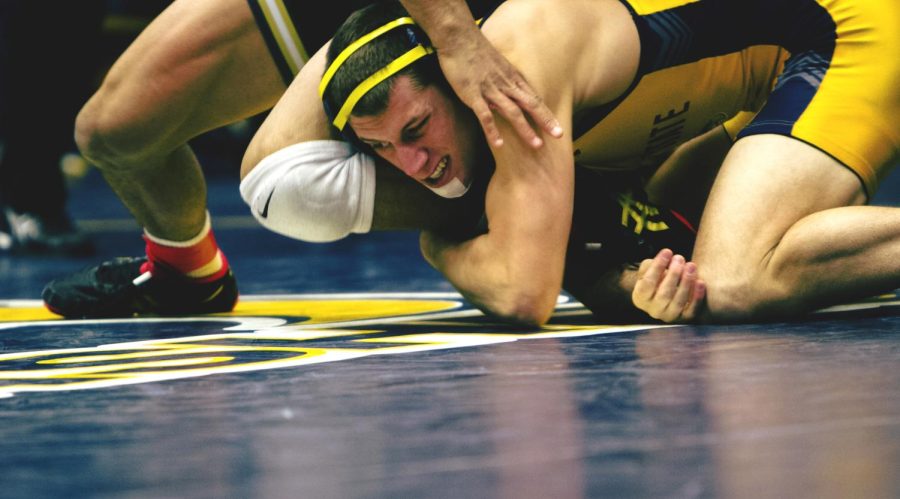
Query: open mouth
{"points": [[439, 170]]}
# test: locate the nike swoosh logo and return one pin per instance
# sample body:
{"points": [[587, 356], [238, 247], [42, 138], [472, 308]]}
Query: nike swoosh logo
{"points": [[265, 211]]}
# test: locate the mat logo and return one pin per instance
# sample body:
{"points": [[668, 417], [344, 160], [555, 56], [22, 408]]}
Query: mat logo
{"points": [[262, 333]]}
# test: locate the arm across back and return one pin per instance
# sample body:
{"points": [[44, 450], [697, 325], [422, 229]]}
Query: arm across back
{"points": [[515, 270]]}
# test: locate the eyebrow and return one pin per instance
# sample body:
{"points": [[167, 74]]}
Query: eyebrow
{"points": [[413, 123]]}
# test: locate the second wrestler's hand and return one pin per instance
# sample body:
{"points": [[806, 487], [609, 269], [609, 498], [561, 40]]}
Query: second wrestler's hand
{"points": [[486, 81], [668, 288]]}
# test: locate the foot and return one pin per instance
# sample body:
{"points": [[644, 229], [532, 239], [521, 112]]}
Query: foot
{"points": [[31, 233], [118, 288]]}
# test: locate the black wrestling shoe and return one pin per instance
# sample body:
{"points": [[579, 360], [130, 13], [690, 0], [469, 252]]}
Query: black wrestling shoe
{"points": [[117, 288], [35, 234]]}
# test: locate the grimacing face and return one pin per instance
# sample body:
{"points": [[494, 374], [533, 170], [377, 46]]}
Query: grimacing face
{"points": [[429, 135]]}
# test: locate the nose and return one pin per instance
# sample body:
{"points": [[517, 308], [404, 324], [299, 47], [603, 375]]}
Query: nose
{"points": [[412, 160]]}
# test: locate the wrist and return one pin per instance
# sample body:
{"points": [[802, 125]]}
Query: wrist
{"points": [[456, 38], [450, 25]]}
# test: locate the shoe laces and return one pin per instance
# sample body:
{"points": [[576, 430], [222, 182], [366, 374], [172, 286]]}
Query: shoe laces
{"points": [[120, 270]]}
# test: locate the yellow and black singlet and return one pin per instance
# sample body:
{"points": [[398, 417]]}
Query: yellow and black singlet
{"points": [[826, 72]]}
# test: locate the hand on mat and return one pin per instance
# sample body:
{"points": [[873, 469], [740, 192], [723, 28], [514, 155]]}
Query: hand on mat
{"points": [[486, 81], [668, 288]]}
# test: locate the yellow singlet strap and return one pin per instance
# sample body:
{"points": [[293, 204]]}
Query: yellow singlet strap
{"points": [[353, 47], [363, 88]]}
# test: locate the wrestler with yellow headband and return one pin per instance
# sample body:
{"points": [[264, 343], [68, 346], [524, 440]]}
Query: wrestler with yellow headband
{"points": [[204, 64], [785, 230]]}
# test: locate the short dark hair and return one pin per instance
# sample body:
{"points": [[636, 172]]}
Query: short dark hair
{"points": [[376, 54]]}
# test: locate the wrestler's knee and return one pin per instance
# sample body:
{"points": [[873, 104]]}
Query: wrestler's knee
{"points": [[95, 137], [731, 300], [113, 136], [746, 291]]}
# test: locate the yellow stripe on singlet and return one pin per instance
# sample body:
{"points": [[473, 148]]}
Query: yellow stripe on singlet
{"points": [[285, 33], [644, 7]]}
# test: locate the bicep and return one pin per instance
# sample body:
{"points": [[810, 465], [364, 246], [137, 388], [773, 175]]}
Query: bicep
{"points": [[529, 199], [529, 209], [535, 181]]}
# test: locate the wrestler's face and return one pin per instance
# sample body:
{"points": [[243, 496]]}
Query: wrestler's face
{"points": [[429, 135]]}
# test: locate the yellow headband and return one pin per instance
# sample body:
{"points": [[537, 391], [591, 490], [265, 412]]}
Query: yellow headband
{"points": [[414, 54]]}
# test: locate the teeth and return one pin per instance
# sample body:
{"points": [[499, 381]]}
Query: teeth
{"points": [[439, 170]]}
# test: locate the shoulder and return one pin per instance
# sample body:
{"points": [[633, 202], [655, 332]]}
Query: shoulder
{"points": [[548, 25], [541, 37], [584, 45]]}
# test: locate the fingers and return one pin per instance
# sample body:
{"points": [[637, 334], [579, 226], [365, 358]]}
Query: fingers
{"points": [[692, 311], [486, 118], [650, 274], [512, 103], [681, 288], [532, 103], [488, 83], [668, 288], [516, 102], [511, 112]]}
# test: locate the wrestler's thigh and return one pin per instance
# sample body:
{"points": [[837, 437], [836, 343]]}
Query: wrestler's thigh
{"points": [[767, 183], [199, 65], [298, 116]]}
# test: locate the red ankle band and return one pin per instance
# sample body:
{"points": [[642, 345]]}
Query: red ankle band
{"points": [[200, 260]]}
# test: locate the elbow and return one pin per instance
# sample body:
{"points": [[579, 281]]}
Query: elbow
{"points": [[523, 308], [526, 298]]}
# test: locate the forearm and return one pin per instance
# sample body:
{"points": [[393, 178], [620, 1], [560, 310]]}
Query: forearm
{"points": [[684, 180], [494, 280], [608, 296], [515, 270]]}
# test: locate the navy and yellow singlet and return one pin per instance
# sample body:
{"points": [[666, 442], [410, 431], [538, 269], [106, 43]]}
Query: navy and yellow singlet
{"points": [[826, 72]]}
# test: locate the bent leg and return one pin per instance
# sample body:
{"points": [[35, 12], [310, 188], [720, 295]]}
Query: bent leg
{"points": [[200, 65], [784, 233]]}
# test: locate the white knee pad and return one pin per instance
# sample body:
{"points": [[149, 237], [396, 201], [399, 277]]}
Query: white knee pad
{"points": [[317, 191]]}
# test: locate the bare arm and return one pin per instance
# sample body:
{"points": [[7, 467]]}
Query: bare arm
{"points": [[481, 76], [684, 180], [514, 271], [609, 298], [667, 286]]}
